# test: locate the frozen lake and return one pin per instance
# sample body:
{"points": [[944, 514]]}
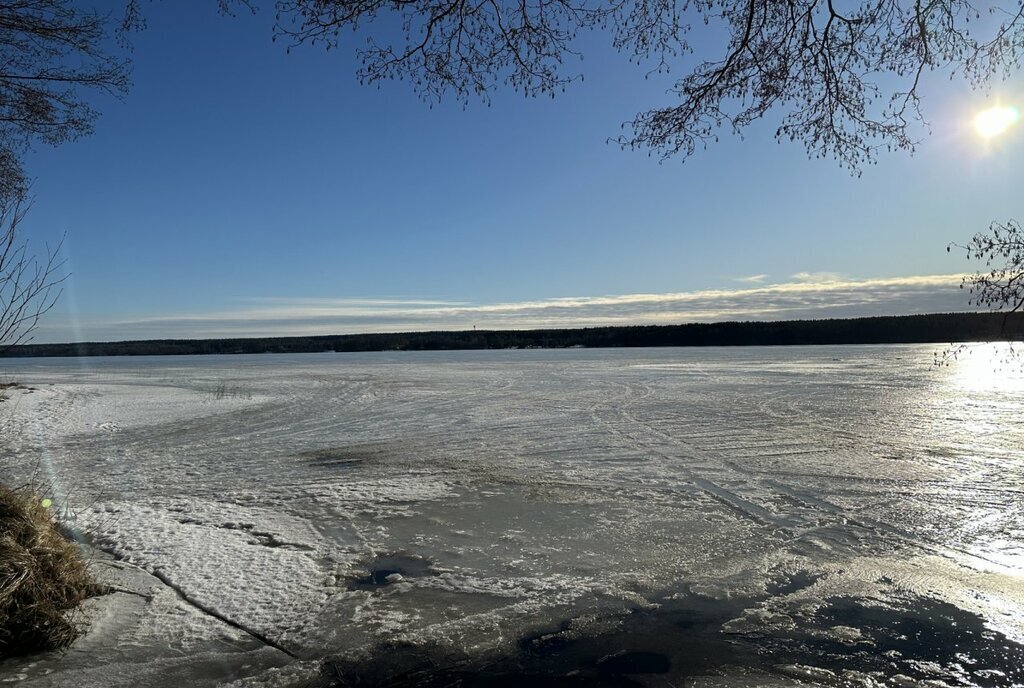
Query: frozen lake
{"points": [[634, 517]]}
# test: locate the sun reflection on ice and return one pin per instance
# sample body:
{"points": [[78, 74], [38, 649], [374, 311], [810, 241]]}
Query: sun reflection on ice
{"points": [[1006, 553], [983, 388], [995, 367]]}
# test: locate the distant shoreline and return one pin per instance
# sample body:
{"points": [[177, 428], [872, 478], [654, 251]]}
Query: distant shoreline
{"points": [[932, 328]]}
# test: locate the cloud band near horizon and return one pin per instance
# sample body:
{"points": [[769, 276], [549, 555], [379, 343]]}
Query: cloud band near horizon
{"points": [[805, 296]]}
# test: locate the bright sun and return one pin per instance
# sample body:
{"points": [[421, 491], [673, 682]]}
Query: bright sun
{"points": [[994, 121]]}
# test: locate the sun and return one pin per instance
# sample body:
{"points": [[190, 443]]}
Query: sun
{"points": [[995, 120]]}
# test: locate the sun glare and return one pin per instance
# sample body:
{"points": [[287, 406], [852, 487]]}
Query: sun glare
{"points": [[991, 367], [996, 120]]}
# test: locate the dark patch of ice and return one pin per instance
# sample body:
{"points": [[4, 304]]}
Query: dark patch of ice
{"points": [[349, 456], [918, 638], [381, 569], [634, 663], [271, 540], [789, 583]]}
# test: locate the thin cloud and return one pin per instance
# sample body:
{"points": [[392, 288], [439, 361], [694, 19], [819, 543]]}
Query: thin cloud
{"points": [[818, 277], [751, 279], [830, 297], [383, 302]]}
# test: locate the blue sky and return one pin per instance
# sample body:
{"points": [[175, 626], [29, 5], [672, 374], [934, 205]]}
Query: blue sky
{"points": [[240, 190]]}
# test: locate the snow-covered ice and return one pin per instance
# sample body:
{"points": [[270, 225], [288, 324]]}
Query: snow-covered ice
{"points": [[761, 516]]}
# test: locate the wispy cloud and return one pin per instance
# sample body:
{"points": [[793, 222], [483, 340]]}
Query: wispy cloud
{"points": [[751, 279], [808, 295], [383, 302], [819, 277]]}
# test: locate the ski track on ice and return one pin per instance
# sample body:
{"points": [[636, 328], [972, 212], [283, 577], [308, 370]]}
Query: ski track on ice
{"points": [[693, 454]]}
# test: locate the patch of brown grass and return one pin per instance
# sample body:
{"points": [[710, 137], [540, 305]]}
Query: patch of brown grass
{"points": [[6, 387], [43, 577]]}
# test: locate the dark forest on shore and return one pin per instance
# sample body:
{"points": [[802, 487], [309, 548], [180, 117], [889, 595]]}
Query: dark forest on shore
{"points": [[904, 329]]}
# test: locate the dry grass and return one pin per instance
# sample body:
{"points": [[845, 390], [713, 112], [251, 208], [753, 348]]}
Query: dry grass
{"points": [[5, 387], [43, 577]]}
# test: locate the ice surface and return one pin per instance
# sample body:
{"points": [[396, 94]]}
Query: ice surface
{"points": [[743, 516]]}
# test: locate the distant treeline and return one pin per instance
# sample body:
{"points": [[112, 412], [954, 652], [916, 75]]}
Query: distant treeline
{"points": [[931, 328]]}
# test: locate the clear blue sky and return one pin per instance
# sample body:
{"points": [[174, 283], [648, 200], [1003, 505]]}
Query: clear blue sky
{"points": [[242, 190]]}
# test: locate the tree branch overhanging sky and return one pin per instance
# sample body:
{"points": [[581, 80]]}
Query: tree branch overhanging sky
{"points": [[234, 172]]}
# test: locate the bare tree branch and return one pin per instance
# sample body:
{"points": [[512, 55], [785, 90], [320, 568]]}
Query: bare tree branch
{"points": [[1001, 286], [29, 286], [51, 55], [844, 79], [468, 46]]}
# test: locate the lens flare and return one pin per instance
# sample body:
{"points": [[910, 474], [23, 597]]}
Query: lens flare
{"points": [[996, 120]]}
